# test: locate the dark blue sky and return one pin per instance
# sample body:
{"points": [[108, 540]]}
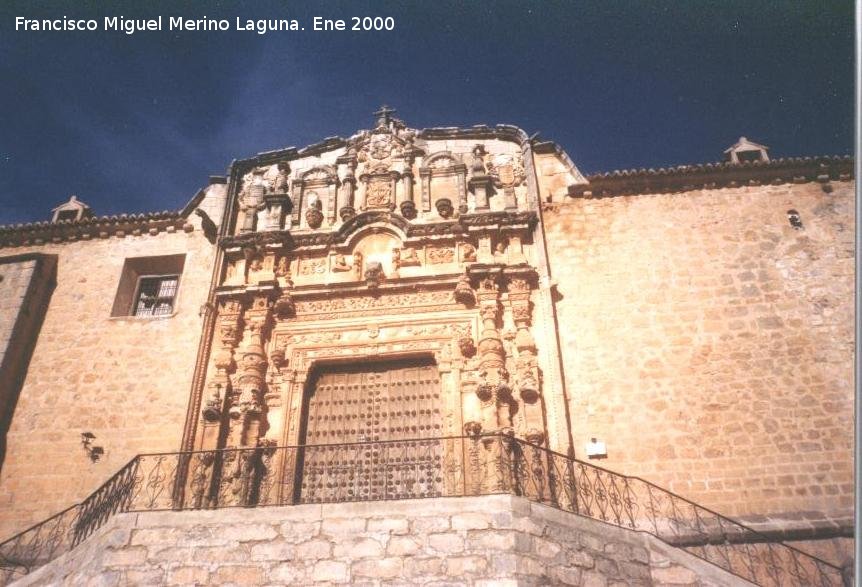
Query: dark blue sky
{"points": [[137, 123]]}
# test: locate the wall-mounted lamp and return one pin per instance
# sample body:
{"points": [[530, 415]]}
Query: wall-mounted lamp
{"points": [[93, 452]]}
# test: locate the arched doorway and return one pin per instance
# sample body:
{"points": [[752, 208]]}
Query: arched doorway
{"points": [[370, 432]]}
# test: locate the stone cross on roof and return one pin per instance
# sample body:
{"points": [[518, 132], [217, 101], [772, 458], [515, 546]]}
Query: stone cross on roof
{"points": [[384, 115]]}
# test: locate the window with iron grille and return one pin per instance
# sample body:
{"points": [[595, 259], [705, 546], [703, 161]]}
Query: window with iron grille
{"points": [[148, 287], [156, 295]]}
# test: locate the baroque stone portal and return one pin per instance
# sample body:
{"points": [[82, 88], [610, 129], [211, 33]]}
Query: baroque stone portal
{"points": [[350, 311]]}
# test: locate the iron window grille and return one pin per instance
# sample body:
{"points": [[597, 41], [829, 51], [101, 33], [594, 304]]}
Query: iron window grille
{"points": [[155, 295]]}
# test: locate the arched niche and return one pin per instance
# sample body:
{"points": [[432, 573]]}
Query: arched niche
{"points": [[443, 176], [315, 189]]}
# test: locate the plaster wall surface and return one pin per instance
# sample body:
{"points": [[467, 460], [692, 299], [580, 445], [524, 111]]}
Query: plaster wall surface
{"points": [[483, 541], [709, 344], [124, 379]]}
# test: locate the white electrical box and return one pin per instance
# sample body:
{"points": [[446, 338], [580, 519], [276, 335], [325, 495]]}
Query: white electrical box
{"points": [[596, 449]]}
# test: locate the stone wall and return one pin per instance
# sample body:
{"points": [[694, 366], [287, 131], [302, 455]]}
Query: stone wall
{"points": [[709, 344], [496, 540], [124, 379]]}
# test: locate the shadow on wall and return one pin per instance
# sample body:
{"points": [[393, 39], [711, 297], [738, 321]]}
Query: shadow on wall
{"points": [[25, 295]]}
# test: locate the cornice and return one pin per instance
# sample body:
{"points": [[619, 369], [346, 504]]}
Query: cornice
{"points": [[465, 223], [715, 175]]}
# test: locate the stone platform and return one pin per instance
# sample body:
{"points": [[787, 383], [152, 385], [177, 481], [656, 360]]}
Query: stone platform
{"points": [[493, 540]]}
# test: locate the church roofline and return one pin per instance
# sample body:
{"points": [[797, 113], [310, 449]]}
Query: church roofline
{"points": [[506, 132], [715, 175]]}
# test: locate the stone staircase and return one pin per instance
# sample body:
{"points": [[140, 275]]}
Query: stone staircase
{"points": [[209, 483]]}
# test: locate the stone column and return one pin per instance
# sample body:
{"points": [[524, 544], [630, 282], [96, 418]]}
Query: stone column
{"points": [[461, 174], [348, 187], [297, 186], [332, 193], [527, 365], [247, 409], [200, 479], [394, 176], [425, 178], [493, 389]]}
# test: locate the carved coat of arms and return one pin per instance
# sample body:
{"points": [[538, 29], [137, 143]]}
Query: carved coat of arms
{"points": [[379, 192]]}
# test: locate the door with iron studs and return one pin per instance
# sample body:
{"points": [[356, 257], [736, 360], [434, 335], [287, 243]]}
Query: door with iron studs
{"points": [[368, 432]]}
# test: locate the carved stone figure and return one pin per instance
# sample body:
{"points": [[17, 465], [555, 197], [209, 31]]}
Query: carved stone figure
{"points": [[408, 209], [374, 274], [282, 268], [314, 213], [468, 253], [444, 207], [282, 180]]}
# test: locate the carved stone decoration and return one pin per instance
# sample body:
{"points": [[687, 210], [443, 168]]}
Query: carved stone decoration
{"points": [[443, 164], [357, 264], [440, 255], [395, 262], [247, 406], [282, 267], [340, 264], [526, 365], [408, 209], [478, 164], [464, 293], [314, 214], [312, 267], [348, 185], [493, 388], [284, 305], [228, 333], [500, 252], [468, 253], [347, 213], [373, 274], [251, 198], [464, 339], [379, 194], [508, 173], [507, 170], [472, 428], [444, 207], [409, 258], [282, 180]]}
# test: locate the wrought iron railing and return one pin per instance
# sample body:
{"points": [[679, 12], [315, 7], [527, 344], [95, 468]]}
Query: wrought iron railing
{"points": [[409, 469]]}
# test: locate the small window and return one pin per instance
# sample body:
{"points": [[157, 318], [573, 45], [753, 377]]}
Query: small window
{"points": [[67, 215], [155, 295], [744, 156], [148, 286]]}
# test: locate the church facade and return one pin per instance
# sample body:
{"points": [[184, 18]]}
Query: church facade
{"points": [[385, 298]]}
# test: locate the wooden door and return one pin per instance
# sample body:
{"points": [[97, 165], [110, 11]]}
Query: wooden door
{"points": [[368, 430]]}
